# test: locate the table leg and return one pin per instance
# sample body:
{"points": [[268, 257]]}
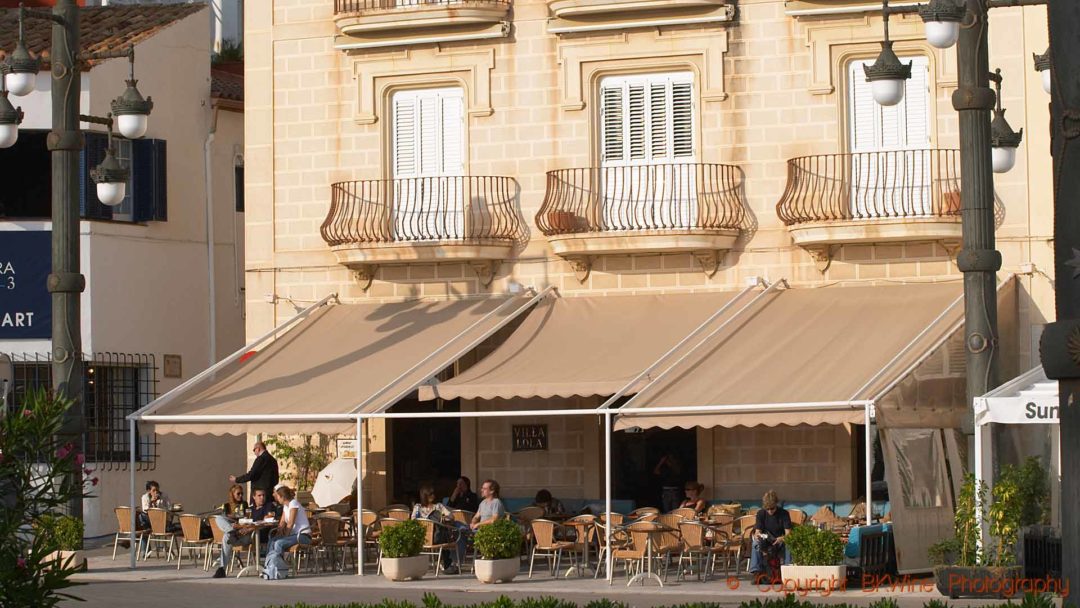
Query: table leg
{"points": [[253, 562]]}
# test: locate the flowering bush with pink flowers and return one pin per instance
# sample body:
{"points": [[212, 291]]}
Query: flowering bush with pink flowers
{"points": [[39, 474]]}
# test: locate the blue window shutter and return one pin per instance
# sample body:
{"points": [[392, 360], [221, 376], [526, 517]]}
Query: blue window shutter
{"points": [[161, 183], [142, 180], [91, 156]]}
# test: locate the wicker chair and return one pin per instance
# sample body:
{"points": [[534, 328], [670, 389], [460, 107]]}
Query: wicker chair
{"points": [[695, 548], [798, 517], [400, 514], [192, 539], [619, 540], [123, 530], [544, 544], [744, 522], [462, 516], [526, 515], [218, 536], [637, 551], [435, 550], [328, 541], [159, 535], [684, 512], [641, 511], [584, 527]]}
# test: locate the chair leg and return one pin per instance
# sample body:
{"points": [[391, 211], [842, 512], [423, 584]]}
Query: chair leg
{"points": [[532, 559]]}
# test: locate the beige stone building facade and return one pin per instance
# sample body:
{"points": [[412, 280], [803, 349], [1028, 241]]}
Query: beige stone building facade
{"points": [[403, 150]]}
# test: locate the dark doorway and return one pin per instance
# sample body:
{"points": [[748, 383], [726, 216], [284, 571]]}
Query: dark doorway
{"points": [[634, 460], [424, 451]]}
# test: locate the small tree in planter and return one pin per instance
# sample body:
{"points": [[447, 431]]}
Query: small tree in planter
{"points": [[400, 547], [64, 534], [817, 556], [498, 551]]}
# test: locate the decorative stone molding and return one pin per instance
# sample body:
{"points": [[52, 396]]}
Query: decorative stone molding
{"points": [[821, 255], [577, 16], [833, 40], [376, 74], [364, 274], [709, 261], [581, 265], [485, 270], [582, 62]]}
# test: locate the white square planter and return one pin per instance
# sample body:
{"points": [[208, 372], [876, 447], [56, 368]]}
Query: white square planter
{"points": [[405, 568], [822, 578], [497, 570]]}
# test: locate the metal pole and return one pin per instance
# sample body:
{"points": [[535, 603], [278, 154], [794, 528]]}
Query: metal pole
{"points": [[66, 283], [359, 498], [131, 474], [607, 493], [1060, 346], [978, 259], [868, 462]]}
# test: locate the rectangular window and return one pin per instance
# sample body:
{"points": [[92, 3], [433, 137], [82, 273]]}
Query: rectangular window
{"points": [[146, 199], [238, 187], [891, 166], [428, 142], [647, 151]]}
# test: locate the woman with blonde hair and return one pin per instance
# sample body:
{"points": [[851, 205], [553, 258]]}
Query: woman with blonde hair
{"points": [[693, 498], [235, 506]]}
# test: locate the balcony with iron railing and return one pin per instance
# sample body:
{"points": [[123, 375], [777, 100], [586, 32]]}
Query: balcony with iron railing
{"points": [[423, 219], [661, 208], [872, 197], [374, 23], [575, 16]]}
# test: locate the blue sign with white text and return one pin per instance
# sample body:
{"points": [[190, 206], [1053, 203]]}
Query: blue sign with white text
{"points": [[25, 303]]}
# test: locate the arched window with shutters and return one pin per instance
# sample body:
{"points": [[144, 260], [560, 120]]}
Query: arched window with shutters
{"points": [[647, 151], [891, 170]]}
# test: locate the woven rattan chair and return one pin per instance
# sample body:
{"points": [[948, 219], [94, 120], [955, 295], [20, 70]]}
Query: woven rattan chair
{"points": [[398, 514], [798, 517], [328, 541], [123, 530], [695, 549], [684, 512], [636, 552], [461, 516], [744, 522], [435, 550], [545, 545], [159, 534], [192, 539], [584, 527], [641, 511], [619, 540]]}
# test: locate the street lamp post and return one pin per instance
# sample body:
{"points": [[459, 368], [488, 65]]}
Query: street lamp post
{"points": [[66, 283]]}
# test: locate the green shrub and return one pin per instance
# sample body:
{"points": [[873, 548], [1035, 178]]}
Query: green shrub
{"points": [[500, 539], [1019, 499], [63, 532], [936, 604], [402, 540], [885, 602], [811, 546]]}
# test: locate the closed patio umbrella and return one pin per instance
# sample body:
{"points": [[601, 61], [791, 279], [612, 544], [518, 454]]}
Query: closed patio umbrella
{"points": [[335, 482]]}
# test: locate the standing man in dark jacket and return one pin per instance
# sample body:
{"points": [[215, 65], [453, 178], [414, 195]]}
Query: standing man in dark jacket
{"points": [[264, 471]]}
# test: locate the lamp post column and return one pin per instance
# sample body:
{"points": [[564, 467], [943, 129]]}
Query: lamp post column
{"points": [[66, 283], [978, 259], [1060, 347]]}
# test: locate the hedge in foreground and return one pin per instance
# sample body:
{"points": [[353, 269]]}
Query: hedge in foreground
{"points": [[789, 601]]}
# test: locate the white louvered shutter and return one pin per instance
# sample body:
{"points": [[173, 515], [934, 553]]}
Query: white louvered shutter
{"points": [[897, 184], [647, 132], [429, 162]]}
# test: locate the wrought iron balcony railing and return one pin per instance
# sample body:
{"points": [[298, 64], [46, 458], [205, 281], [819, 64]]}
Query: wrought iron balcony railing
{"points": [[663, 197], [462, 209], [872, 185], [362, 6]]}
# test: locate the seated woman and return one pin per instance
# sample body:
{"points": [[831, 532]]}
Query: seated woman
{"points": [[693, 498], [294, 529], [548, 503], [431, 509], [234, 507]]}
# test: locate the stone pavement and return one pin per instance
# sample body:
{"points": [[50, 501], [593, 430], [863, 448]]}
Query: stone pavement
{"points": [[155, 583]]}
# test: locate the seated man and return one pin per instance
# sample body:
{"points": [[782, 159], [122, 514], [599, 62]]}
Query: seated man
{"points": [[769, 529], [548, 503], [491, 508], [236, 535], [154, 498]]}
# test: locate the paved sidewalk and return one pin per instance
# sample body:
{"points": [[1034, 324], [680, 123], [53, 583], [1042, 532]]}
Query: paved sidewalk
{"points": [[154, 583]]}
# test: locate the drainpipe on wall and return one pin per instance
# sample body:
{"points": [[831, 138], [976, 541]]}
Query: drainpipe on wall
{"points": [[209, 181]]}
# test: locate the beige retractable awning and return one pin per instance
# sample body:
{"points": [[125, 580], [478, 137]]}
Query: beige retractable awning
{"points": [[582, 346], [803, 346], [341, 360]]}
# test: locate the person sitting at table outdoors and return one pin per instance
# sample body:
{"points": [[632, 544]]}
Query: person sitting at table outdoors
{"points": [[433, 510], [235, 534], [491, 508], [770, 527], [463, 497], [263, 473], [548, 503], [154, 498], [293, 529], [693, 498]]}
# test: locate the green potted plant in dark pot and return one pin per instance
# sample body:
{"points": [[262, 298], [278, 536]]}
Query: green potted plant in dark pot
{"points": [[817, 559], [963, 568], [498, 551], [399, 547]]}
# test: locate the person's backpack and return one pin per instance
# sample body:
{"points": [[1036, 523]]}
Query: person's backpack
{"points": [[276, 568]]}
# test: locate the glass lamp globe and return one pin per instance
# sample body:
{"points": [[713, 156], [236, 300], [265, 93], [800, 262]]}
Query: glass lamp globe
{"points": [[131, 126], [9, 134], [942, 34], [111, 193], [888, 91], [1002, 159], [1045, 80], [20, 83]]}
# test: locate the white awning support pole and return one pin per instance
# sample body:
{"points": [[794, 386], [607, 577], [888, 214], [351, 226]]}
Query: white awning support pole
{"points": [[607, 494], [648, 370], [868, 412], [131, 473], [360, 532], [176, 392], [982, 459], [630, 404], [457, 355]]}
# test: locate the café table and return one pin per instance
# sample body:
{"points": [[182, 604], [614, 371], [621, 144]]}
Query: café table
{"points": [[254, 560], [582, 530]]}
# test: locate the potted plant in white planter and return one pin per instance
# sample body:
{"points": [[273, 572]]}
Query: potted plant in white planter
{"points": [[400, 545], [63, 534], [817, 557], [498, 551]]}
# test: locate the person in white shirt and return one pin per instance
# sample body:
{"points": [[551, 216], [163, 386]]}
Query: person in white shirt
{"points": [[294, 529], [153, 499]]}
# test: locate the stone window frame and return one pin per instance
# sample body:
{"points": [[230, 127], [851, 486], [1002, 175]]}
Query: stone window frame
{"points": [[417, 82]]}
